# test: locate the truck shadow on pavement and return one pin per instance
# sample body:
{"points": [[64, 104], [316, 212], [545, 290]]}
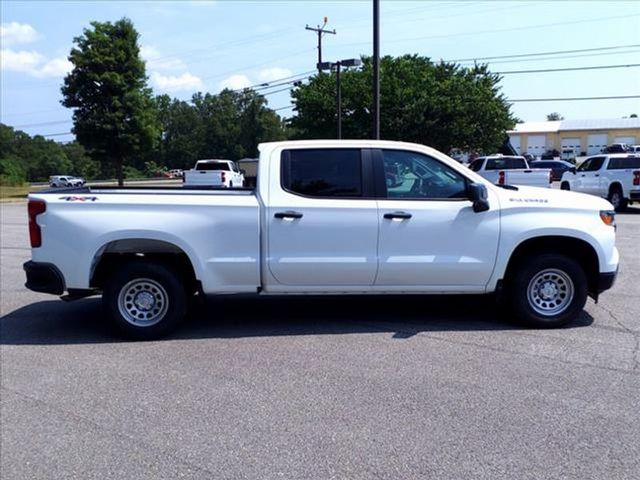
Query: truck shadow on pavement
{"points": [[57, 323]]}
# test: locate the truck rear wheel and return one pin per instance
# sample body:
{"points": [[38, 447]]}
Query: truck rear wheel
{"points": [[145, 300], [548, 290]]}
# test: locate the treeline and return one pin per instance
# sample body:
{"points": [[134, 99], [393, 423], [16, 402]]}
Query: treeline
{"points": [[25, 158], [228, 125]]}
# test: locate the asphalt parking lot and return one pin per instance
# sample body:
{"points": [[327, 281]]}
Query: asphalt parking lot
{"points": [[319, 388]]}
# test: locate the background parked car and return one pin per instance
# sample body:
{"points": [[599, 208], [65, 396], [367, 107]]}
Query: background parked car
{"points": [[616, 148], [550, 154], [58, 181], [558, 167]]}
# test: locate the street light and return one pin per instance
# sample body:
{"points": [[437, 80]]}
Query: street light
{"points": [[350, 62]]}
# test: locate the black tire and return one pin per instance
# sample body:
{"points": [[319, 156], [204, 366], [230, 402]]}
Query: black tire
{"points": [[565, 186], [547, 290], [145, 300], [616, 199]]}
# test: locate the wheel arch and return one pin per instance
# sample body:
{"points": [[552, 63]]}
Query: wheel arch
{"points": [[116, 252], [616, 185], [579, 250]]}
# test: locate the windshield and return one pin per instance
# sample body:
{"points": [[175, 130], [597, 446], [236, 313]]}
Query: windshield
{"points": [[213, 166]]}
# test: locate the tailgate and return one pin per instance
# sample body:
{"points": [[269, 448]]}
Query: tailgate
{"points": [[203, 177]]}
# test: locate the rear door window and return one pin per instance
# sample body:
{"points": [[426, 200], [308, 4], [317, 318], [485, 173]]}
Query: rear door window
{"points": [[323, 172], [623, 163]]}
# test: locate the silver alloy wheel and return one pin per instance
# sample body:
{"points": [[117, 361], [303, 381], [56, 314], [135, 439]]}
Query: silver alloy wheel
{"points": [[143, 302], [550, 292]]}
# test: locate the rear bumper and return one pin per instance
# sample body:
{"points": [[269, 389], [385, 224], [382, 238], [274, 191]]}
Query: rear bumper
{"points": [[44, 278]]}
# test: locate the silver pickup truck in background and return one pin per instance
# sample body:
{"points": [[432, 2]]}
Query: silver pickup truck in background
{"points": [[511, 170]]}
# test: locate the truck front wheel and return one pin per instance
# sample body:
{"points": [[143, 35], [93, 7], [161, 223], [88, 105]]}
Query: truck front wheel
{"points": [[548, 290], [145, 300], [616, 199]]}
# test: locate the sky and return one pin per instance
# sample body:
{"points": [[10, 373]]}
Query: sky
{"points": [[192, 46]]}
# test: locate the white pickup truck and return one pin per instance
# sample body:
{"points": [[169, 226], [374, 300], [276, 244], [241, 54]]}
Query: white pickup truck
{"points": [[511, 170], [615, 177], [214, 173], [325, 218]]}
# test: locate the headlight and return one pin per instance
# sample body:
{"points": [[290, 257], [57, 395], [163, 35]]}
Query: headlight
{"points": [[608, 217]]}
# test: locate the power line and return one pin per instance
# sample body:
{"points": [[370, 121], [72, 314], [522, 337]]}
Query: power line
{"points": [[572, 99], [54, 134], [563, 57], [266, 85], [22, 114], [277, 91], [511, 29], [266, 62], [43, 124], [537, 54], [570, 69]]}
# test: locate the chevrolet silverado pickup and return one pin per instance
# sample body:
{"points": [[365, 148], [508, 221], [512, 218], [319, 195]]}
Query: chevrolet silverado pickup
{"points": [[216, 173], [511, 170], [326, 217], [615, 177]]}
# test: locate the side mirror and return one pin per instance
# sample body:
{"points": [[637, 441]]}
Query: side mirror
{"points": [[573, 170], [243, 171], [478, 195]]}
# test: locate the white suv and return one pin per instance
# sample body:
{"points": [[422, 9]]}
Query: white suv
{"points": [[615, 177], [65, 181]]}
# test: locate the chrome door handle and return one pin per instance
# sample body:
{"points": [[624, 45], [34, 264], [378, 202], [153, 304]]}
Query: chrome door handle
{"points": [[289, 214], [397, 215]]}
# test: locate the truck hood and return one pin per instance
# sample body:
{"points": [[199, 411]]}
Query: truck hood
{"points": [[535, 197]]}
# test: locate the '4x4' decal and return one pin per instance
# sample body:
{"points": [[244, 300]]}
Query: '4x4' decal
{"points": [[78, 199]]}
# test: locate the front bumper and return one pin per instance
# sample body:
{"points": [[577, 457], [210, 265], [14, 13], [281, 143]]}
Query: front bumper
{"points": [[635, 195], [606, 281], [44, 278]]}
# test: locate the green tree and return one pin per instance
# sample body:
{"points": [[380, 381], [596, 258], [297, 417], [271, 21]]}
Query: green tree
{"points": [[82, 165], [554, 116], [114, 118], [442, 105], [44, 158], [181, 133], [227, 125]]}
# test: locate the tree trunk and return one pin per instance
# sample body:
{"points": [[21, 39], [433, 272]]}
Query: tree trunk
{"points": [[119, 172]]}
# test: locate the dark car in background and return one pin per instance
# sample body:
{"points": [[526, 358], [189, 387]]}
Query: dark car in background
{"points": [[616, 148], [558, 167]]}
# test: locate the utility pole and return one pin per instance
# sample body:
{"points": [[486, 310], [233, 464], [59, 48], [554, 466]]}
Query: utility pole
{"points": [[339, 99], [337, 66], [376, 70], [320, 30]]}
